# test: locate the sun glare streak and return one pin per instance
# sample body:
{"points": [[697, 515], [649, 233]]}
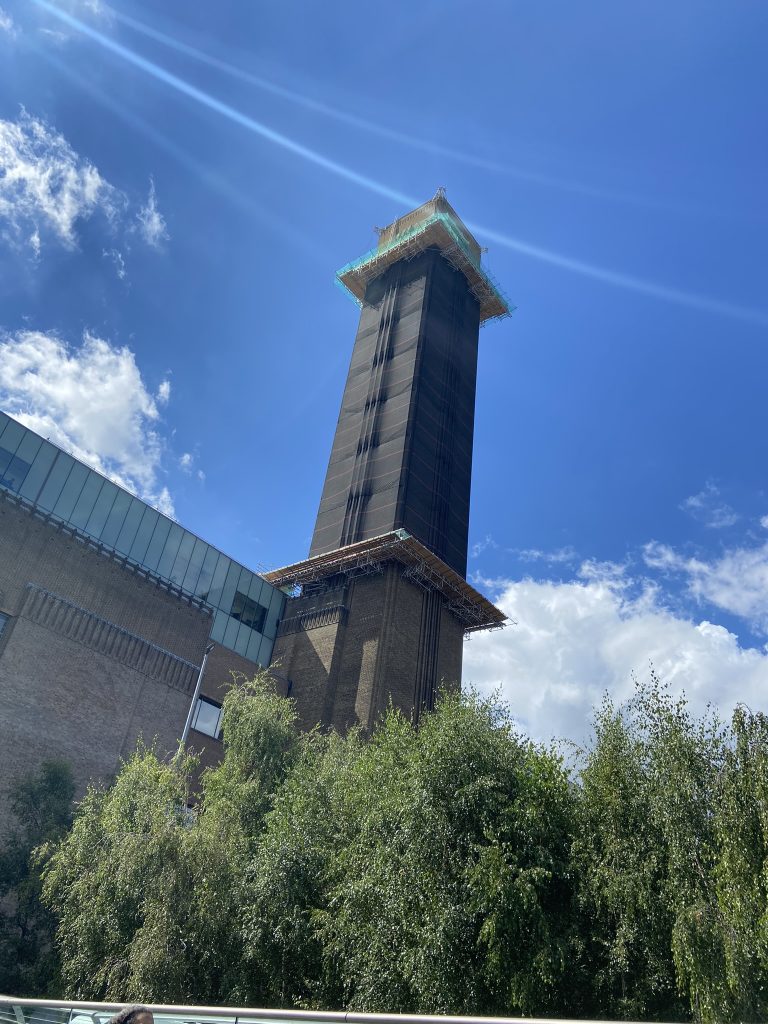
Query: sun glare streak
{"points": [[190, 164], [616, 279], [373, 127], [219, 107], [620, 280]]}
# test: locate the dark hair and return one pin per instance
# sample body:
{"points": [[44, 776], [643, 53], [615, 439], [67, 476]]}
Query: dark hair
{"points": [[126, 1015]]}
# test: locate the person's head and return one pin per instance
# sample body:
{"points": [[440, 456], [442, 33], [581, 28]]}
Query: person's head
{"points": [[133, 1015]]}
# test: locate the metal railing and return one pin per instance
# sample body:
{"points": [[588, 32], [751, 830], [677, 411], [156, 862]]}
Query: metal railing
{"points": [[43, 1011]]}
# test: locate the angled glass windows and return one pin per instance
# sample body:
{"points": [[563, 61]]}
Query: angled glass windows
{"points": [[38, 472], [245, 607], [101, 510], [70, 492]]}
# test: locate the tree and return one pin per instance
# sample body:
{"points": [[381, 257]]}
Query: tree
{"points": [[741, 874], [147, 893], [42, 807], [449, 888]]}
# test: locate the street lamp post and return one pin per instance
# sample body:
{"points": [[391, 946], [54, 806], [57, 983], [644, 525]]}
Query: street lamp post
{"points": [[195, 695]]}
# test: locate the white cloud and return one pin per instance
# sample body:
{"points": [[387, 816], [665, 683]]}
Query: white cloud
{"points": [[737, 581], [6, 24], [89, 399], [575, 640], [483, 545], [187, 465], [555, 557], [47, 190], [707, 507], [152, 225], [117, 259], [164, 392], [764, 522], [46, 186]]}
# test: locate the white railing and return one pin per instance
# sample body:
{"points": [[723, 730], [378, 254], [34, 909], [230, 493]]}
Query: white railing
{"points": [[43, 1011]]}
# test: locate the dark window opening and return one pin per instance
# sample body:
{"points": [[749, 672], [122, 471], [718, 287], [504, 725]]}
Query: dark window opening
{"points": [[247, 611]]}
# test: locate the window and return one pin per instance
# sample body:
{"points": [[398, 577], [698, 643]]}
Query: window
{"points": [[3, 621], [247, 611], [207, 717], [13, 470]]}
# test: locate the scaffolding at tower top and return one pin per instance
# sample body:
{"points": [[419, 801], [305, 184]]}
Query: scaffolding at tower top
{"points": [[434, 224]]}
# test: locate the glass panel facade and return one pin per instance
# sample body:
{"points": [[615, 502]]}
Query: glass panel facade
{"points": [[144, 534], [84, 505], [195, 565], [12, 435], [13, 470], [156, 545], [57, 477], [29, 447], [38, 474], [115, 519], [130, 526], [101, 510], [70, 492], [170, 550], [246, 608], [181, 562]]}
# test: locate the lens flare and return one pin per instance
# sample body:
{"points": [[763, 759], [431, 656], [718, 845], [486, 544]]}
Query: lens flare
{"points": [[610, 277], [373, 127]]}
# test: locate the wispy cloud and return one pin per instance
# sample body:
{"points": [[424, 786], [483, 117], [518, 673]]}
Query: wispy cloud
{"points": [[736, 581], [45, 186], [187, 465], [7, 25], [614, 574], [708, 507], [487, 543], [47, 191], [152, 226], [90, 399], [117, 259], [164, 392], [553, 557]]}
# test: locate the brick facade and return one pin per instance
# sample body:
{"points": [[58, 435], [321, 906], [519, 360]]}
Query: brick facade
{"points": [[350, 649], [94, 656]]}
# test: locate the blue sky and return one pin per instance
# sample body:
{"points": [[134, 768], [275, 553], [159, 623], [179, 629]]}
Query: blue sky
{"points": [[179, 183]]}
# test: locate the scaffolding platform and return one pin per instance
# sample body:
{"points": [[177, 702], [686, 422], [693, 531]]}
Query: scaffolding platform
{"points": [[435, 224], [422, 567]]}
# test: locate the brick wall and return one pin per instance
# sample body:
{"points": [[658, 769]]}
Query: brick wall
{"points": [[386, 639], [94, 656]]}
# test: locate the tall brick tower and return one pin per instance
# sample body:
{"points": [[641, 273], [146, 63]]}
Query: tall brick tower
{"points": [[381, 605]]}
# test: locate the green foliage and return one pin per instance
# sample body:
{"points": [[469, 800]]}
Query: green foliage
{"points": [[449, 887], [450, 868], [42, 808]]}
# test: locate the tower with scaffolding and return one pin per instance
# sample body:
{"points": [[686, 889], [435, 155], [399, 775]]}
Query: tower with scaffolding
{"points": [[379, 610]]}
